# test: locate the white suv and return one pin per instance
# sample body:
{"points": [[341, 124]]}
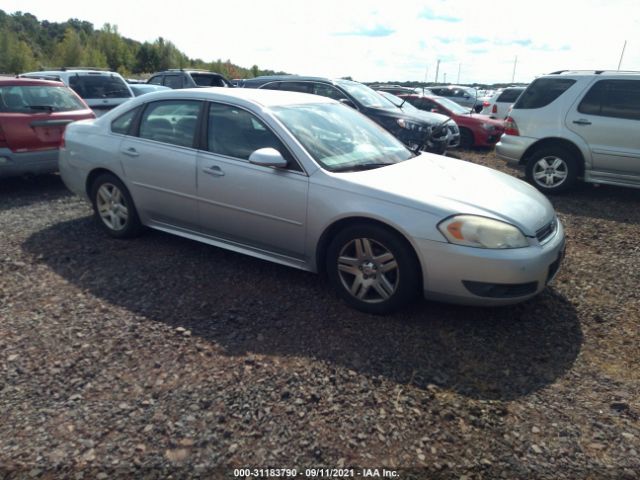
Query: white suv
{"points": [[576, 124], [102, 90]]}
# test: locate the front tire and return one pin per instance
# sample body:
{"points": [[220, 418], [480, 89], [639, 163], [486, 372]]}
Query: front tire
{"points": [[373, 269], [466, 139], [113, 207], [552, 170]]}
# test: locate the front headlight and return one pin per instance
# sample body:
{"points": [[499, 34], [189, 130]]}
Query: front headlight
{"points": [[481, 232], [402, 123]]}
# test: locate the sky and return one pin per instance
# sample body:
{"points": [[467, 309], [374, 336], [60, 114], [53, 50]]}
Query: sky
{"points": [[378, 40]]}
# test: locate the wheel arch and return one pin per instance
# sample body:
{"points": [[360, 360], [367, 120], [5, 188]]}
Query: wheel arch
{"points": [[555, 142], [342, 223], [95, 173]]}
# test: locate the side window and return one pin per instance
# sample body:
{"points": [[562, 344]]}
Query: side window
{"points": [[173, 81], [613, 98], [542, 92], [304, 87], [171, 121], [157, 80], [509, 95], [234, 132], [328, 91], [122, 124], [271, 86]]}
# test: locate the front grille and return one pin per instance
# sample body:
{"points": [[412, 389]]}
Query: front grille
{"points": [[547, 231]]}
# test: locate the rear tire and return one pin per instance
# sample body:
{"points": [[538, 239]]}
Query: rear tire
{"points": [[113, 207], [552, 169], [373, 269]]}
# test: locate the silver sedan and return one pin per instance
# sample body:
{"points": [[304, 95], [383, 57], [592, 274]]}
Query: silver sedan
{"points": [[307, 182]]}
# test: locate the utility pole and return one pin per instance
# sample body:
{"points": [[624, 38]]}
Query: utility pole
{"points": [[437, 70], [622, 54], [459, 68], [513, 75], [426, 74], [445, 78]]}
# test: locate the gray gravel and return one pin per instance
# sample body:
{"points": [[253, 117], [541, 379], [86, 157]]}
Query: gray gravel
{"points": [[162, 357]]}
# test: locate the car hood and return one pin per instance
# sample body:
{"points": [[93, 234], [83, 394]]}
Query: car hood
{"points": [[444, 186], [417, 117]]}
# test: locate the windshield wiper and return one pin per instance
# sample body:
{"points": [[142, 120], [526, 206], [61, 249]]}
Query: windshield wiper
{"points": [[362, 167]]}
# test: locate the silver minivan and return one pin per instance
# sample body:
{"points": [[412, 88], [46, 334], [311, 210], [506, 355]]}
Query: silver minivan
{"points": [[572, 125]]}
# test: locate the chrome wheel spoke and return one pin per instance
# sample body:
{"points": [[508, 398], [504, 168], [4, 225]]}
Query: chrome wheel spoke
{"points": [[389, 266], [383, 287], [540, 175], [556, 163]]}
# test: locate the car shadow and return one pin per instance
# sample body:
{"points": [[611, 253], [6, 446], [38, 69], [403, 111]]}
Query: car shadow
{"points": [[251, 306], [27, 190]]}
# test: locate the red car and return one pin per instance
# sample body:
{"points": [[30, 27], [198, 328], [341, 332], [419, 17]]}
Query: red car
{"points": [[475, 130], [33, 116]]}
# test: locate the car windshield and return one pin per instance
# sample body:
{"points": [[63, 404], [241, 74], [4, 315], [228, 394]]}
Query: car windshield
{"points": [[399, 102], [90, 85], [452, 106], [28, 99], [341, 139], [365, 95]]}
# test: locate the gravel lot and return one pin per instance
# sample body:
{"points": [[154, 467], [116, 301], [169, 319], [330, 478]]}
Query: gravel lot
{"points": [[164, 357]]}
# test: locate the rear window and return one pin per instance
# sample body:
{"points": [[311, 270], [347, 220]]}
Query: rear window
{"points": [[208, 80], [542, 92], [510, 95], [99, 86], [29, 99]]}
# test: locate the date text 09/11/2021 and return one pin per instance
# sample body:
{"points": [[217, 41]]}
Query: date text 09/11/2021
{"points": [[315, 473]]}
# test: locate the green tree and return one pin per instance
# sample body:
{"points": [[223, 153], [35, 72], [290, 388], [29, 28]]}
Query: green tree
{"points": [[15, 55], [70, 51]]}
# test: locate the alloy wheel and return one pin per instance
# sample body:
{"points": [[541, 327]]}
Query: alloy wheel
{"points": [[550, 171], [368, 270], [111, 206]]}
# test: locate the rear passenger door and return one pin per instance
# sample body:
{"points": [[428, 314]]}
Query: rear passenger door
{"points": [[607, 117], [159, 159]]}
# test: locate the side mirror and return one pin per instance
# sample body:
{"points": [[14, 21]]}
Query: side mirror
{"points": [[268, 157], [347, 102], [466, 95]]}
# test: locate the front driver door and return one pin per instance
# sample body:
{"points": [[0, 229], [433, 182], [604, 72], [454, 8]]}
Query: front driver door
{"points": [[261, 207]]}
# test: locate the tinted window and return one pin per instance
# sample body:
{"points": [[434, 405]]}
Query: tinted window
{"points": [[304, 87], [328, 91], [270, 86], [208, 80], [237, 133], [99, 86], [157, 80], [38, 99], [173, 81], [122, 124], [613, 98], [542, 92], [510, 95], [172, 121]]}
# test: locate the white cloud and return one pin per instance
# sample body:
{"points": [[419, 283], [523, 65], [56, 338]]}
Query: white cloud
{"points": [[300, 37]]}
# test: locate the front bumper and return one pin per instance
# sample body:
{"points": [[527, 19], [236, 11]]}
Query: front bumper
{"points": [[511, 147], [485, 277], [14, 164]]}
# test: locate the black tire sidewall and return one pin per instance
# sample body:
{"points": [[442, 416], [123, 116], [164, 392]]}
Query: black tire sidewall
{"points": [[409, 283], [466, 139], [133, 225], [569, 159]]}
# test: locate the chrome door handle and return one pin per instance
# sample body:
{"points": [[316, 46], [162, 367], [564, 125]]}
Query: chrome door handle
{"points": [[582, 122], [214, 170], [132, 152]]}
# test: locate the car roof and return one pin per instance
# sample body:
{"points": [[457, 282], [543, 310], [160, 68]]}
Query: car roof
{"points": [[10, 82], [267, 98], [71, 71]]}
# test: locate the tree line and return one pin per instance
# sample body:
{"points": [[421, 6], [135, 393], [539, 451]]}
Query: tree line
{"points": [[27, 44]]}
